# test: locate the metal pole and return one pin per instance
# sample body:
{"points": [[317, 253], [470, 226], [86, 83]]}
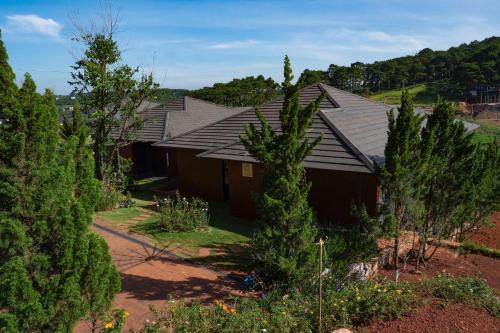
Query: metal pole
{"points": [[320, 281]]}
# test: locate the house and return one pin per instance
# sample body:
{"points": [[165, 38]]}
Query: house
{"points": [[162, 122], [214, 165]]}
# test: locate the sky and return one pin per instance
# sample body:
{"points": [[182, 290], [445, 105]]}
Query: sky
{"points": [[195, 43]]}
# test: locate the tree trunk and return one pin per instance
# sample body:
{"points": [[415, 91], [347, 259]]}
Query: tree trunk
{"points": [[97, 160]]}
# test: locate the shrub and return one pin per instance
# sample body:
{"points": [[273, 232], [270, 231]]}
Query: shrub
{"points": [[181, 214], [358, 303], [471, 247], [108, 200], [244, 315], [467, 290]]}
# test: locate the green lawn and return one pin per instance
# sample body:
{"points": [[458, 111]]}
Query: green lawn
{"points": [[487, 132], [424, 94], [224, 244]]}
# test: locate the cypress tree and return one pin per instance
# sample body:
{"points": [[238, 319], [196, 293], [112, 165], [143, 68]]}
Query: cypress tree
{"points": [[284, 248], [459, 185], [44, 220], [397, 175]]}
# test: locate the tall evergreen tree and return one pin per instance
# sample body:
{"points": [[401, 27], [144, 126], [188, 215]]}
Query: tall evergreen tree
{"points": [[44, 239], [284, 248], [458, 186], [397, 175]]}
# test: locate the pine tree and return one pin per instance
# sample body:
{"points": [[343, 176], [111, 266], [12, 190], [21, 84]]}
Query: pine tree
{"points": [[44, 239], [284, 248], [459, 186], [397, 175]]}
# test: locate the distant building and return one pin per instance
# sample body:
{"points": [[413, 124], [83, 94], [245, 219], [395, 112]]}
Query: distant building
{"points": [[483, 94]]}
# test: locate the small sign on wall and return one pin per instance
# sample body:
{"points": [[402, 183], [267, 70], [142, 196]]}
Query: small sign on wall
{"points": [[247, 170]]}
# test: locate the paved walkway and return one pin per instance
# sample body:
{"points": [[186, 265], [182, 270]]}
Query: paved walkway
{"points": [[150, 275]]}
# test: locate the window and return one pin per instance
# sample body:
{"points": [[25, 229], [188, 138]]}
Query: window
{"points": [[247, 170]]}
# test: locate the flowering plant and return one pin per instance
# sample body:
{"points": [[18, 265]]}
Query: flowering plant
{"points": [[180, 214]]}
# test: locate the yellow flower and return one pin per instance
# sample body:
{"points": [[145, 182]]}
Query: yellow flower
{"points": [[126, 314], [108, 325], [385, 290], [233, 310], [225, 308], [399, 291]]}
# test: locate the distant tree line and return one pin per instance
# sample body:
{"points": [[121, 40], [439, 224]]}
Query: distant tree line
{"points": [[459, 68], [249, 91]]}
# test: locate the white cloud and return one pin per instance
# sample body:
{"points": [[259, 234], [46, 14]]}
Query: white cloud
{"points": [[33, 23], [238, 44]]}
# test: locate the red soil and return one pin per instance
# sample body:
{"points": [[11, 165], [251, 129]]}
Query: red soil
{"points": [[446, 261], [436, 318], [489, 236]]}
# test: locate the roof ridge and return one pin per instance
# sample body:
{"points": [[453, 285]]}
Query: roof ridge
{"points": [[353, 94], [366, 160], [199, 128], [208, 102]]}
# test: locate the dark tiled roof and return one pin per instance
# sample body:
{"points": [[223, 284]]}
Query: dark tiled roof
{"points": [[177, 117], [354, 131], [221, 139]]}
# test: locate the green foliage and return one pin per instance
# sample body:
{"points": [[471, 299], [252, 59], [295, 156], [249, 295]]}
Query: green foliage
{"points": [[459, 187], [166, 95], [402, 167], [467, 290], [180, 214], [249, 91], [45, 213], [284, 249], [471, 247], [110, 93], [309, 77], [280, 313], [359, 303], [100, 281], [456, 70]]}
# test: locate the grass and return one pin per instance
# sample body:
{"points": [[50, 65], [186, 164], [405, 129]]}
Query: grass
{"points": [[471, 247], [487, 132], [226, 240], [424, 94]]}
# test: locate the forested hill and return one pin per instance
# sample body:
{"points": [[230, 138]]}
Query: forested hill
{"points": [[249, 91], [428, 73], [456, 69]]}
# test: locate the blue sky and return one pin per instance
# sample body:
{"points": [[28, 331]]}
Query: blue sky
{"points": [[191, 44]]}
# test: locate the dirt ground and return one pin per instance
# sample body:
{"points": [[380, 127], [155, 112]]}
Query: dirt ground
{"points": [[489, 236], [436, 318], [446, 261], [149, 276]]}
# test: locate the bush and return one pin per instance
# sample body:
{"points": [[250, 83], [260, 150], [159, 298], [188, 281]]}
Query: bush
{"points": [[108, 200], [245, 315], [181, 214], [359, 303], [467, 290], [470, 247]]}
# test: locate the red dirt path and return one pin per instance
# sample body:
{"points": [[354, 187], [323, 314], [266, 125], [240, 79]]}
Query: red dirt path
{"points": [[150, 277]]}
